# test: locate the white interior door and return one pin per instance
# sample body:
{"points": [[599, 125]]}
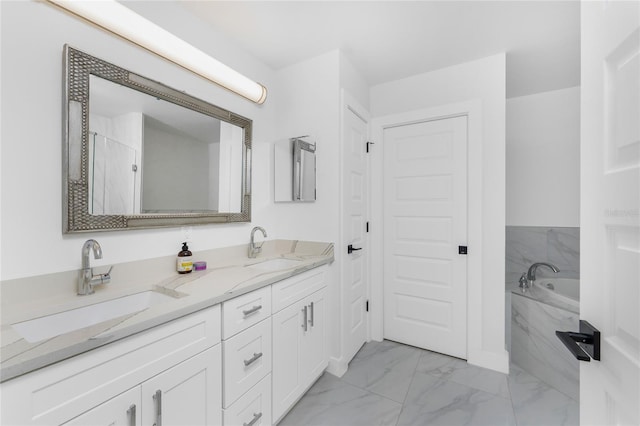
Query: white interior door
{"points": [[425, 220], [610, 210], [354, 270]]}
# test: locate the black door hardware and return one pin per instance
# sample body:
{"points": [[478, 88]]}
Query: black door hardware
{"points": [[462, 249], [370, 143], [583, 345], [351, 249]]}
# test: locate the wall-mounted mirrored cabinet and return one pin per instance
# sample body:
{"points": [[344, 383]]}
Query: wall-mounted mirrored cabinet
{"points": [[295, 170], [139, 154]]}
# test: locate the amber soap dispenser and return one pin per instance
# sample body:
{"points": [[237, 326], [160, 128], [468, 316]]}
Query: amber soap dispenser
{"points": [[184, 263]]}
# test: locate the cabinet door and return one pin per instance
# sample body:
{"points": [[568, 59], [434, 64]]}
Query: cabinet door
{"points": [[287, 383], [187, 394], [313, 351], [122, 410]]}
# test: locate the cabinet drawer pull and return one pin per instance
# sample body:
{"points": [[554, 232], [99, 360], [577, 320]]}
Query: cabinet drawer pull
{"points": [[131, 412], [256, 417], [254, 358], [252, 310], [157, 398], [312, 316], [305, 319]]}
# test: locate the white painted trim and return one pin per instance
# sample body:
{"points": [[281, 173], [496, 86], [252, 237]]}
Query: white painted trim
{"points": [[473, 110], [337, 366], [491, 360]]}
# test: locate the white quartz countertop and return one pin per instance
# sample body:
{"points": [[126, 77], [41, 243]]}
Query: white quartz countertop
{"points": [[227, 276]]}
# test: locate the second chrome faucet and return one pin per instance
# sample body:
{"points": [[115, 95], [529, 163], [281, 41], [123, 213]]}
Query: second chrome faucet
{"points": [[255, 249]]}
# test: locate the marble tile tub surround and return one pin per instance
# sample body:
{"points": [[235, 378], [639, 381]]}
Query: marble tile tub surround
{"points": [[226, 277], [526, 245], [393, 384], [535, 347]]}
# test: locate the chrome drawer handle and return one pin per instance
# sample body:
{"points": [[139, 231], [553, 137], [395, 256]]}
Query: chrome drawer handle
{"points": [[131, 412], [305, 319], [256, 417], [252, 310], [312, 316], [254, 358], [157, 397]]}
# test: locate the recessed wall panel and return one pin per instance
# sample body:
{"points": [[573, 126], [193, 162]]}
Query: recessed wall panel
{"points": [[423, 188], [436, 146], [622, 104], [424, 229], [429, 271], [433, 313]]}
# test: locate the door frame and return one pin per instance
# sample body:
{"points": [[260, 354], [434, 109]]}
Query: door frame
{"points": [[472, 109]]}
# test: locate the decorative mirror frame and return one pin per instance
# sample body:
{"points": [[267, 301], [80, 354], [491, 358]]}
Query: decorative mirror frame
{"points": [[78, 67]]}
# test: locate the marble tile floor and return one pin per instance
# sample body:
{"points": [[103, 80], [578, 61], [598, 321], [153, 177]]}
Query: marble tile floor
{"points": [[393, 384]]}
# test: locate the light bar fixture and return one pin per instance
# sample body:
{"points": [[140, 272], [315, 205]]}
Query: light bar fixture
{"points": [[122, 21]]}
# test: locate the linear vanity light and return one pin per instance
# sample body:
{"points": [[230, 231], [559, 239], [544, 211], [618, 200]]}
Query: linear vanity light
{"points": [[122, 21]]}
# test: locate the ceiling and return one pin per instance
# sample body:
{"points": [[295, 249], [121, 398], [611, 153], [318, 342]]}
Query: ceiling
{"points": [[389, 40]]}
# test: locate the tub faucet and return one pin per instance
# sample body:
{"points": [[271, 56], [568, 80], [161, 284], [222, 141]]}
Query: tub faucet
{"points": [[254, 249], [86, 280], [531, 273]]}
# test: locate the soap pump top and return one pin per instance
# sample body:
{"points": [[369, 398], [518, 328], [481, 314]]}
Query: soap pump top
{"points": [[184, 263]]}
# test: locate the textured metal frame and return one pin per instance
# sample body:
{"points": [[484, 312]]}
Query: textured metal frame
{"points": [[78, 67]]}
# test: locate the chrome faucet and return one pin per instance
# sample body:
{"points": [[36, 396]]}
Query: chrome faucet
{"points": [[254, 249], [86, 280], [527, 280]]}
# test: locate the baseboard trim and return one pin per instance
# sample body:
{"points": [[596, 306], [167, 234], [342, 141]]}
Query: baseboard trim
{"points": [[337, 367], [491, 360]]}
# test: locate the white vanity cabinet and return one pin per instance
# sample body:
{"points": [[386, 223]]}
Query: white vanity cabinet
{"points": [[243, 362], [299, 337], [181, 359]]}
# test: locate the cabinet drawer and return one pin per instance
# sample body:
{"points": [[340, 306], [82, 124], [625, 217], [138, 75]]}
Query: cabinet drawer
{"points": [[246, 360], [244, 311], [253, 408], [290, 290]]}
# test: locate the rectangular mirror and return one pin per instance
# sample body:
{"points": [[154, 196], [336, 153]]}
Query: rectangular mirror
{"points": [[140, 154], [295, 170]]}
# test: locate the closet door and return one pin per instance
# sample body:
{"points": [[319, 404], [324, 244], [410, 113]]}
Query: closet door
{"points": [[425, 220]]}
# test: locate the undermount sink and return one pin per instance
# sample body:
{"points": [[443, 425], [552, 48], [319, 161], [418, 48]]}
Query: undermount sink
{"points": [[274, 265], [53, 325]]}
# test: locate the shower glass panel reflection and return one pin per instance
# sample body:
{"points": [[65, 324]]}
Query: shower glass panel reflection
{"points": [[113, 180]]}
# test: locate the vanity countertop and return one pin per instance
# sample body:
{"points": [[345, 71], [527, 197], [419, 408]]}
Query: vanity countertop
{"points": [[227, 276]]}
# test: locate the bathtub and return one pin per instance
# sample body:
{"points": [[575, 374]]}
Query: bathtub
{"points": [[561, 292], [536, 313]]}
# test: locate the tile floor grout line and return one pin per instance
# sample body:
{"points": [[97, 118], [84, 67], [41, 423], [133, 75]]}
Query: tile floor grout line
{"points": [[404, 401], [513, 409]]}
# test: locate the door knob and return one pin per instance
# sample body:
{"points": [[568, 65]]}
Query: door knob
{"points": [[351, 249]]}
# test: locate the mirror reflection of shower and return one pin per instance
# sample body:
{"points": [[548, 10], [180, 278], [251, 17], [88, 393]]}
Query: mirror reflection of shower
{"points": [[114, 181]]}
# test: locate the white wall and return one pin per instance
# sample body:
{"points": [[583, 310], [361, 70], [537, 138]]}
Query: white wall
{"points": [[32, 36], [308, 104], [481, 82], [543, 159]]}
